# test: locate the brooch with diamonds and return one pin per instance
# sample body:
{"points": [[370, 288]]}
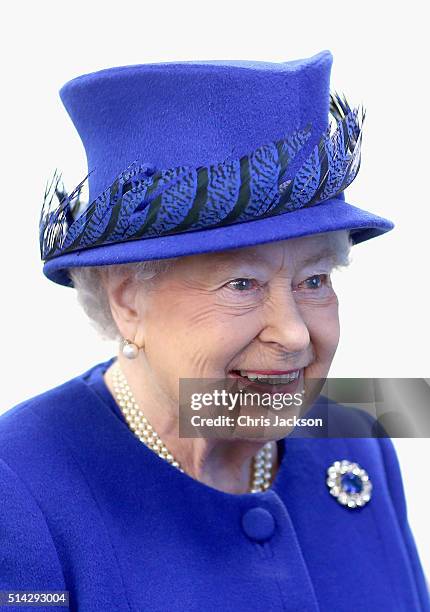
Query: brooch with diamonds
{"points": [[349, 484]]}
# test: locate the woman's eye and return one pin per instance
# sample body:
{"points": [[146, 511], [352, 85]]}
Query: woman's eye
{"points": [[243, 284], [316, 281]]}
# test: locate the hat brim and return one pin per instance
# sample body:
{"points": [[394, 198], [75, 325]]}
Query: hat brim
{"points": [[331, 215]]}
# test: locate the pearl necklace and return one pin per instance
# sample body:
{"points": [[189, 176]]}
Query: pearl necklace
{"points": [[138, 423]]}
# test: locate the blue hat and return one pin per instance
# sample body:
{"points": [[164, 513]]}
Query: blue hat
{"points": [[199, 156]]}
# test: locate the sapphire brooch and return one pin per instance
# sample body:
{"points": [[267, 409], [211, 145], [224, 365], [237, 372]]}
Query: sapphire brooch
{"points": [[349, 484]]}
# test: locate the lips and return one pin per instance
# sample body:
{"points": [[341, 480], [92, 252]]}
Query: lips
{"points": [[270, 381], [268, 372]]}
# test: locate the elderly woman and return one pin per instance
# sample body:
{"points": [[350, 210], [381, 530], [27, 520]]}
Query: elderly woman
{"points": [[215, 217]]}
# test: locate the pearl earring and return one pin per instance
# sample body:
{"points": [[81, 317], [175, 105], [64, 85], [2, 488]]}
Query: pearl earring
{"points": [[129, 349]]}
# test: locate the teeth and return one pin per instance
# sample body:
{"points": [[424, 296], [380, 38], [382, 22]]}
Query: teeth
{"points": [[272, 378]]}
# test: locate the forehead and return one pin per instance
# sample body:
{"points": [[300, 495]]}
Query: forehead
{"points": [[294, 251]]}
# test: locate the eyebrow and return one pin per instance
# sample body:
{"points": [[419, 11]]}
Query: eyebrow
{"points": [[328, 253]]}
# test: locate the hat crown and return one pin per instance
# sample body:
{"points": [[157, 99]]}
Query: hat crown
{"points": [[194, 112]]}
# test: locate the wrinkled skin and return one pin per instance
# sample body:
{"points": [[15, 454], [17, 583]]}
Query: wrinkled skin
{"points": [[197, 320]]}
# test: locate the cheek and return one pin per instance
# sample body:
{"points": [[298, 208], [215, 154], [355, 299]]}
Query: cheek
{"points": [[215, 339], [195, 337], [323, 326]]}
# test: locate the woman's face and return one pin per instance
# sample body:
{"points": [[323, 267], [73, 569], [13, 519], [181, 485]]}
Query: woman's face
{"points": [[266, 307]]}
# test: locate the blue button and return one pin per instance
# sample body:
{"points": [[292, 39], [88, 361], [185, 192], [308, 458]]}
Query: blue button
{"points": [[258, 524]]}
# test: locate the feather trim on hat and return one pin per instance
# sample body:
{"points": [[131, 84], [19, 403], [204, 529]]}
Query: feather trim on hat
{"points": [[144, 202]]}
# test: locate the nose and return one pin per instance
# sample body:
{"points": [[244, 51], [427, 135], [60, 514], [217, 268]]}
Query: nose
{"points": [[283, 323]]}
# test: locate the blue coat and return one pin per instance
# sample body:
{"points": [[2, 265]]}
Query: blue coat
{"points": [[86, 507]]}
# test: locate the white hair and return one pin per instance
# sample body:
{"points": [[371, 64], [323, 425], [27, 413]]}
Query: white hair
{"points": [[93, 297], [92, 294]]}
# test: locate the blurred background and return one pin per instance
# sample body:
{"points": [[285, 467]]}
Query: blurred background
{"points": [[380, 59]]}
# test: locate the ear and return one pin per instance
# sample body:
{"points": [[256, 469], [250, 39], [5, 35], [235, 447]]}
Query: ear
{"points": [[122, 291]]}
